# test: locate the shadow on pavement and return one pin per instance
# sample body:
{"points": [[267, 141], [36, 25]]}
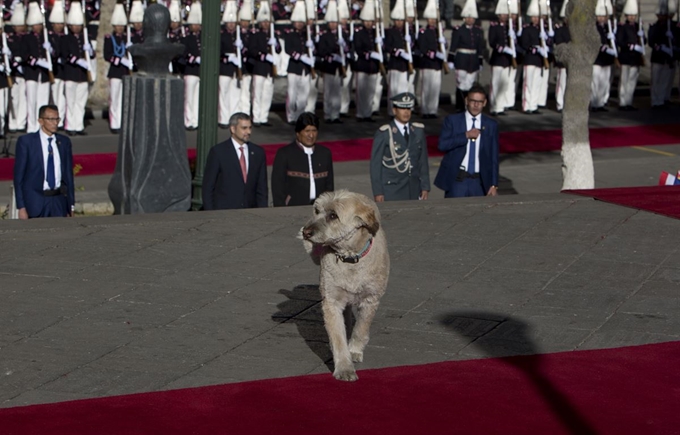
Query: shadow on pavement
{"points": [[518, 341]]}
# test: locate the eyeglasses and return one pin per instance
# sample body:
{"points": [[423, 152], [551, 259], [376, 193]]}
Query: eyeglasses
{"points": [[476, 101], [52, 119]]}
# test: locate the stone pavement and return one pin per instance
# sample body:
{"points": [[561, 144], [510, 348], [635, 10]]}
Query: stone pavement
{"points": [[122, 304]]}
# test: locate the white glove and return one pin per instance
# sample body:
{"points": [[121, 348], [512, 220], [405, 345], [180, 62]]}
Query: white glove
{"points": [[481, 67], [323, 3], [337, 58], [197, 60], [272, 42], [83, 64], [610, 51], [87, 47], [232, 58], [287, 8], [451, 66], [519, 32], [509, 50], [378, 40], [2, 67], [238, 44], [307, 60], [512, 34], [439, 55], [641, 33], [441, 40], [356, 6], [6, 51], [611, 36], [43, 63], [639, 48], [126, 62], [375, 55], [666, 49], [543, 35], [309, 43], [543, 51], [551, 33], [128, 45], [271, 58], [407, 39], [20, 69], [342, 43], [669, 34], [47, 46], [406, 56]]}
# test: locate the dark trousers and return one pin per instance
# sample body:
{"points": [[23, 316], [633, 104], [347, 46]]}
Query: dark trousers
{"points": [[54, 206], [466, 187]]}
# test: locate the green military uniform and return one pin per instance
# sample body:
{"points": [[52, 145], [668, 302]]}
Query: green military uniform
{"points": [[399, 168]]}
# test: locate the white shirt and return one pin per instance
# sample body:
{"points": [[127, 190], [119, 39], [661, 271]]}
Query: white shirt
{"points": [[400, 127], [468, 126], [57, 159], [238, 146], [312, 182]]}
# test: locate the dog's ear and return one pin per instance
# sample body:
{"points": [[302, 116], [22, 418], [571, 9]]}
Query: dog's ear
{"points": [[369, 220]]}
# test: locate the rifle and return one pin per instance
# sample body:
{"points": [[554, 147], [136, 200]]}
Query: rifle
{"points": [[48, 55], [273, 47], [8, 73], [511, 38], [310, 51], [407, 43], [128, 37], [668, 27], [415, 17], [641, 39], [546, 64], [379, 34], [239, 72], [341, 44], [612, 43], [520, 24], [63, 8], [440, 35], [86, 40]]}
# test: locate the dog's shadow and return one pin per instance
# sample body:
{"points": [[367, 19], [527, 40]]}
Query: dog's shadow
{"points": [[303, 308]]}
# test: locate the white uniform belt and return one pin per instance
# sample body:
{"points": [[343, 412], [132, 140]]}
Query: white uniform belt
{"points": [[466, 51]]}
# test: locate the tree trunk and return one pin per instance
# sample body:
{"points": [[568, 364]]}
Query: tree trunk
{"points": [[99, 94], [578, 56]]}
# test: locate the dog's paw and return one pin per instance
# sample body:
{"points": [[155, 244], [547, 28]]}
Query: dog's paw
{"points": [[357, 357], [349, 375]]}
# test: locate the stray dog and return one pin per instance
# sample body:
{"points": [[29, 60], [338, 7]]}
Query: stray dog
{"points": [[344, 236]]}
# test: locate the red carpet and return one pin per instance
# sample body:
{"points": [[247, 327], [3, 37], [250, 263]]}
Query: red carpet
{"points": [[360, 149], [663, 200], [630, 390]]}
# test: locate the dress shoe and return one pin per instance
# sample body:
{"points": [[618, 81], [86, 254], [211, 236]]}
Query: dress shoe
{"points": [[70, 132], [265, 124], [223, 126], [81, 133], [328, 121], [12, 131], [375, 113], [337, 121], [257, 124], [344, 115], [115, 130]]}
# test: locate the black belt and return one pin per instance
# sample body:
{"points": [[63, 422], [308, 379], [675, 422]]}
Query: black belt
{"points": [[53, 192], [463, 174]]}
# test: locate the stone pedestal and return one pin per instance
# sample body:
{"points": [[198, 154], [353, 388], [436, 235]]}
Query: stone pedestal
{"points": [[152, 171]]}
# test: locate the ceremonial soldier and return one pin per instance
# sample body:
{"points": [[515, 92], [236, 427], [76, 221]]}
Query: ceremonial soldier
{"points": [[602, 69], [432, 50], [535, 60], [37, 65], [546, 35], [399, 166], [332, 51], [192, 66], [413, 29], [345, 95], [5, 77], [400, 58], [663, 64], [313, 94], [466, 51], [368, 61], [230, 64], [17, 117], [245, 16], [76, 68], [175, 34], [120, 64], [514, 22], [300, 47], [263, 49], [630, 39], [92, 12], [280, 11], [58, 19], [502, 60], [562, 36], [136, 20]]}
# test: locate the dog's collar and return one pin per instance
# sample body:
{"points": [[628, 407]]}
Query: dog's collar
{"points": [[355, 258]]}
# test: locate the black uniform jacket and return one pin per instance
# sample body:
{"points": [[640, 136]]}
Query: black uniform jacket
{"points": [[364, 44], [603, 58], [32, 49], [71, 51], [499, 39], [290, 174], [428, 46], [394, 45], [116, 69], [467, 48], [258, 49], [626, 39]]}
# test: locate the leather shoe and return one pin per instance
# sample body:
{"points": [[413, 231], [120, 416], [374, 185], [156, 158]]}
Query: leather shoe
{"points": [[81, 133]]}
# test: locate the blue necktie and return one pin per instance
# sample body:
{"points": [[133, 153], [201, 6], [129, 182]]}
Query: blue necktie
{"points": [[50, 164], [473, 152]]}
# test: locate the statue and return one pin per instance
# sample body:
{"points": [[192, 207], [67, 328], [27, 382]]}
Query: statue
{"points": [[152, 170]]}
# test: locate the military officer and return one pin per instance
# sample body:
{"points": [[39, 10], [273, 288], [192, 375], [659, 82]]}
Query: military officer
{"points": [[192, 66], [399, 166], [367, 65], [120, 64], [57, 19], [466, 51], [300, 47], [37, 65], [630, 39], [74, 52], [562, 36], [231, 62], [535, 60], [501, 61], [602, 69], [263, 49], [332, 51], [17, 117], [432, 54], [400, 57]]}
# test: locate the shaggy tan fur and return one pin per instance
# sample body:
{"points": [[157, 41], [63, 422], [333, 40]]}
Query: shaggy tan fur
{"points": [[342, 224]]}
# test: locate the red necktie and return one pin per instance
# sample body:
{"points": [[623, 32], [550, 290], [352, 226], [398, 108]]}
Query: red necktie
{"points": [[244, 169]]}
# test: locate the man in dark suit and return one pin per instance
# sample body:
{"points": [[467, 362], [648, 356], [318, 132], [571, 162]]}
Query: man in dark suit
{"points": [[43, 170], [470, 141], [300, 162], [235, 173]]}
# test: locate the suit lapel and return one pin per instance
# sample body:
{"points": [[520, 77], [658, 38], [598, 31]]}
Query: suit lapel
{"points": [[40, 153]]}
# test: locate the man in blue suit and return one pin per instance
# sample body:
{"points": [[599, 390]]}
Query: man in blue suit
{"points": [[43, 170], [470, 141], [236, 170]]}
